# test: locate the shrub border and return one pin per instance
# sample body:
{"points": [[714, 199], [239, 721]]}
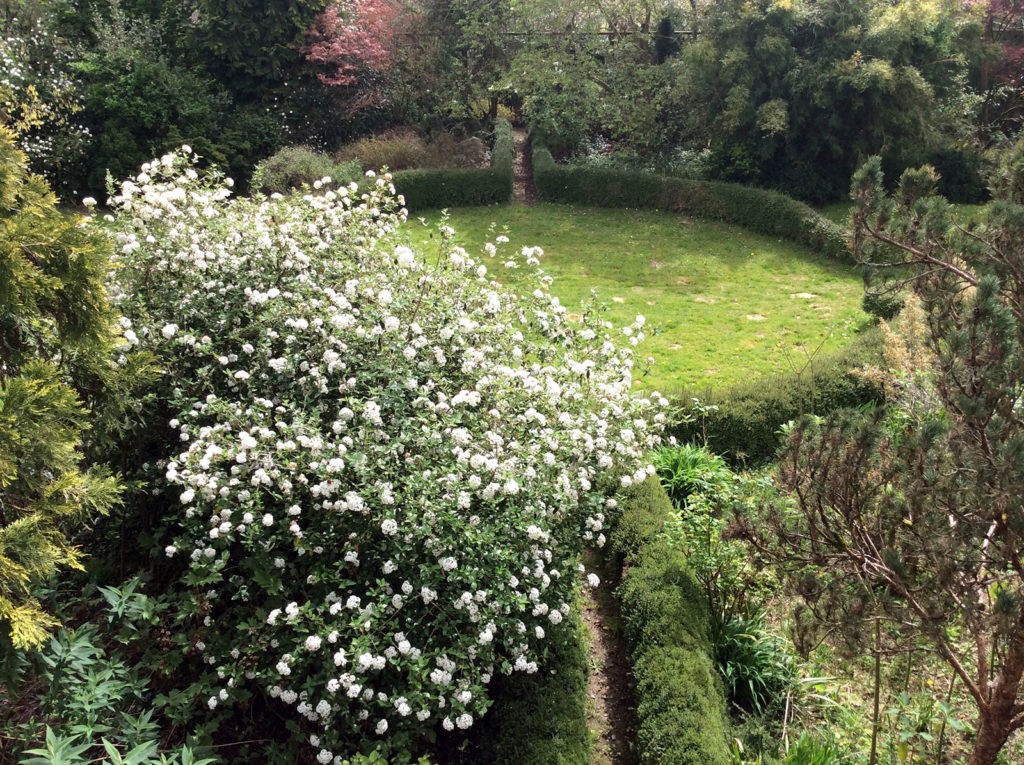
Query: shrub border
{"points": [[432, 189], [540, 719], [766, 212], [681, 703]]}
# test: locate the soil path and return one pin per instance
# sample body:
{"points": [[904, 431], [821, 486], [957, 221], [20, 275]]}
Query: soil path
{"points": [[523, 191], [612, 703], [611, 700]]}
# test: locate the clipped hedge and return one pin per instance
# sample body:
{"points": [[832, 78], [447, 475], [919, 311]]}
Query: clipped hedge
{"points": [[464, 187], [681, 704], [766, 212], [503, 152], [539, 719], [745, 428]]}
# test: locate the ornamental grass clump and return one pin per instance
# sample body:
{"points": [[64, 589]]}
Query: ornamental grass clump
{"points": [[387, 464]]}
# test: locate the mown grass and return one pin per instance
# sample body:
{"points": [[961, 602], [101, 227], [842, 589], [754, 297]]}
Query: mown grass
{"points": [[727, 305], [839, 212]]}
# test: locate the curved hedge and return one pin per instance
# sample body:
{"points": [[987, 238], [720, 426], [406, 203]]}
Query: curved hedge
{"points": [[766, 212], [463, 187], [681, 703], [745, 427]]}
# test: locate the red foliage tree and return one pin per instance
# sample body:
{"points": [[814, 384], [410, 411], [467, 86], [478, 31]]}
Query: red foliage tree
{"points": [[355, 39], [1002, 75]]}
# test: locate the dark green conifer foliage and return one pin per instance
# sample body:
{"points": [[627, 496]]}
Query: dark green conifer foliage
{"points": [[56, 339], [666, 44], [913, 514]]}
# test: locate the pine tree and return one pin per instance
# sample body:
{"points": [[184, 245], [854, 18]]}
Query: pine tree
{"points": [[56, 339], [913, 514]]}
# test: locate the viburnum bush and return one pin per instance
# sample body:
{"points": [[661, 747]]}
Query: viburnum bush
{"points": [[388, 465]]}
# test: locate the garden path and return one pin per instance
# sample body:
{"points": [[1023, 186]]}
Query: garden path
{"points": [[611, 701], [523, 191]]}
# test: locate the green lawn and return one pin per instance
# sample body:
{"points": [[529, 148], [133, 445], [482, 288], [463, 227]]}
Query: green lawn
{"points": [[839, 212], [726, 304]]}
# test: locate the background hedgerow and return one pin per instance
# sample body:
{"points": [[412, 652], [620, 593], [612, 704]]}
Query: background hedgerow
{"points": [[383, 467], [767, 212]]}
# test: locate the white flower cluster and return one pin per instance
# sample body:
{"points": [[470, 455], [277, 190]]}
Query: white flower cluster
{"points": [[384, 468]]}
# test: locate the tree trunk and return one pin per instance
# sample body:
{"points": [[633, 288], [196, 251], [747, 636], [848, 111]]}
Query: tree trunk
{"points": [[995, 723], [992, 733]]}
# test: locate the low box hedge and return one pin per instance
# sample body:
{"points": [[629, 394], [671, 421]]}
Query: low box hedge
{"points": [[680, 701], [766, 212], [539, 719], [745, 428], [464, 187]]}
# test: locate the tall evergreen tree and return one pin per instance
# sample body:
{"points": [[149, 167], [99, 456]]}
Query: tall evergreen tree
{"points": [[56, 334]]}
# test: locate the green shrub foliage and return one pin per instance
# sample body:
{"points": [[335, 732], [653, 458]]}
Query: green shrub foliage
{"points": [[56, 335], [295, 166], [432, 189], [766, 212], [540, 719], [744, 423], [681, 706], [689, 469], [383, 466]]}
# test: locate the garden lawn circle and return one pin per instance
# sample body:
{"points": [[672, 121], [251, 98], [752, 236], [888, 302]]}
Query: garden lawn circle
{"points": [[722, 304]]}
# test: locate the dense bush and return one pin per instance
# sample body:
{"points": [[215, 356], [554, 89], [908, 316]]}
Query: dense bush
{"points": [[40, 99], [757, 666], [382, 470], [960, 172], [678, 163], [540, 719], [295, 166], [400, 150], [681, 707], [89, 698], [57, 346], [765, 212], [743, 422], [140, 100], [427, 189], [689, 469], [407, 150]]}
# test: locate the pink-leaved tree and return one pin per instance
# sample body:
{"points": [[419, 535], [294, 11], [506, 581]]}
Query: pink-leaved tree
{"points": [[354, 40]]}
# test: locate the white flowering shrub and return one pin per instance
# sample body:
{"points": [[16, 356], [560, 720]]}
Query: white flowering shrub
{"points": [[387, 465], [40, 98]]}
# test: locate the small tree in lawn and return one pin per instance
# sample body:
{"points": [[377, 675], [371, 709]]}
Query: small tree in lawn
{"points": [[916, 512], [55, 330]]}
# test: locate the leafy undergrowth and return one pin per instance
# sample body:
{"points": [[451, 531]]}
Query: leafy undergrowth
{"points": [[726, 305], [538, 719]]}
